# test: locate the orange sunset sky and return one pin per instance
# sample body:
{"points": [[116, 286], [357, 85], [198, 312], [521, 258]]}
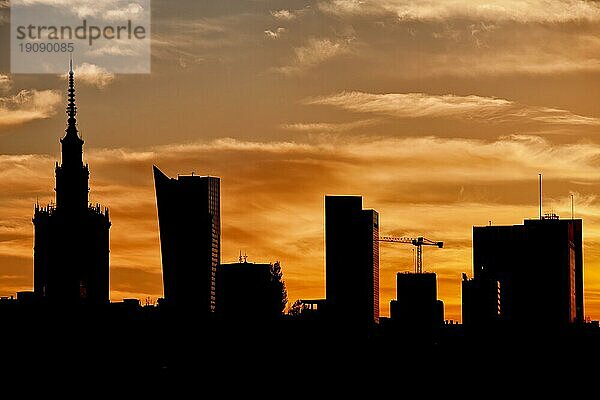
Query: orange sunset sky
{"points": [[440, 113]]}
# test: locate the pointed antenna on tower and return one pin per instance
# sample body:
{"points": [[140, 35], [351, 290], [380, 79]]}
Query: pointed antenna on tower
{"points": [[540, 196]]}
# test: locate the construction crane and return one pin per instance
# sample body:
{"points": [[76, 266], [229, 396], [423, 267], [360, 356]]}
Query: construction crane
{"points": [[418, 242]]}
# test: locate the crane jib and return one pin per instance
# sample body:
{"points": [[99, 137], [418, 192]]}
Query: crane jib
{"points": [[418, 242]]}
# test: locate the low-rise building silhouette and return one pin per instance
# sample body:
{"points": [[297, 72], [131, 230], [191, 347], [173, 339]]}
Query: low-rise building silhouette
{"points": [[247, 290], [417, 307]]}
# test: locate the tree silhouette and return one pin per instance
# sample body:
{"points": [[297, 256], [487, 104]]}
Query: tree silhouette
{"points": [[280, 297], [296, 308]]}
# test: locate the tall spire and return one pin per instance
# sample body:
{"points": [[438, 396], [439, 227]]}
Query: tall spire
{"points": [[72, 144], [71, 107]]}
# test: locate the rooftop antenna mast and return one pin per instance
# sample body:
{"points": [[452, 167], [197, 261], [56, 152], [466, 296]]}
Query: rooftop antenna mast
{"points": [[540, 175], [572, 209]]}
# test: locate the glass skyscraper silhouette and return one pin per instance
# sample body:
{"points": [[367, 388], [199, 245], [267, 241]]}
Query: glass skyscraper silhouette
{"points": [[189, 220]]}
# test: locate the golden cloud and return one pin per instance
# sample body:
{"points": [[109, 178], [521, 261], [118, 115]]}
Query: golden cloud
{"points": [[523, 11], [418, 105], [312, 53], [27, 106], [327, 127], [5, 83]]}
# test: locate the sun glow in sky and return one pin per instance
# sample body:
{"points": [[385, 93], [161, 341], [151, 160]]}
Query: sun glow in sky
{"points": [[440, 113]]}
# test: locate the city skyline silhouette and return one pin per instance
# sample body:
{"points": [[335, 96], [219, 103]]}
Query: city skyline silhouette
{"points": [[526, 290], [527, 275], [72, 146], [440, 117]]}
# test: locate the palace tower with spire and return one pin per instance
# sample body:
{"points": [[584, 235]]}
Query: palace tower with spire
{"points": [[71, 250]]}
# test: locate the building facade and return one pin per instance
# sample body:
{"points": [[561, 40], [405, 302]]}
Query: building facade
{"points": [[416, 306], [190, 238], [352, 260], [527, 274], [247, 291], [71, 249]]}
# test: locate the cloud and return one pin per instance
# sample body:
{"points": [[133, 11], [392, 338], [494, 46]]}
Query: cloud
{"points": [[115, 48], [327, 127], [411, 105], [5, 83], [94, 75], [288, 15], [419, 105], [192, 41], [283, 14], [313, 53], [4, 13], [579, 56], [132, 12], [513, 158], [27, 106], [466, 38], [275, 34], [107, 9], [522, 11]]}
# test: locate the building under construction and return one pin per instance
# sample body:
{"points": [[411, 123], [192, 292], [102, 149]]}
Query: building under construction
{"points": [[526, 274]]}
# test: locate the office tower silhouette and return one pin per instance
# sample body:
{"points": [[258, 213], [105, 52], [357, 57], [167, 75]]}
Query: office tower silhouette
{"points": [[526, 274], [190, 238], [416, 306], [71, 250], [247, 291], [480, 301], [351, 261]]}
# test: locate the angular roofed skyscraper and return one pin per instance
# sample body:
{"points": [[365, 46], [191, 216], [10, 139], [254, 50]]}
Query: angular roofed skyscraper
{"points": [[190, 238]]}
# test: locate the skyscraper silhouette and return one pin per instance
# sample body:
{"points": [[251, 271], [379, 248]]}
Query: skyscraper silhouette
{"points": [[71, 251], [527, 274], [352, 260], [190, 238]]}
